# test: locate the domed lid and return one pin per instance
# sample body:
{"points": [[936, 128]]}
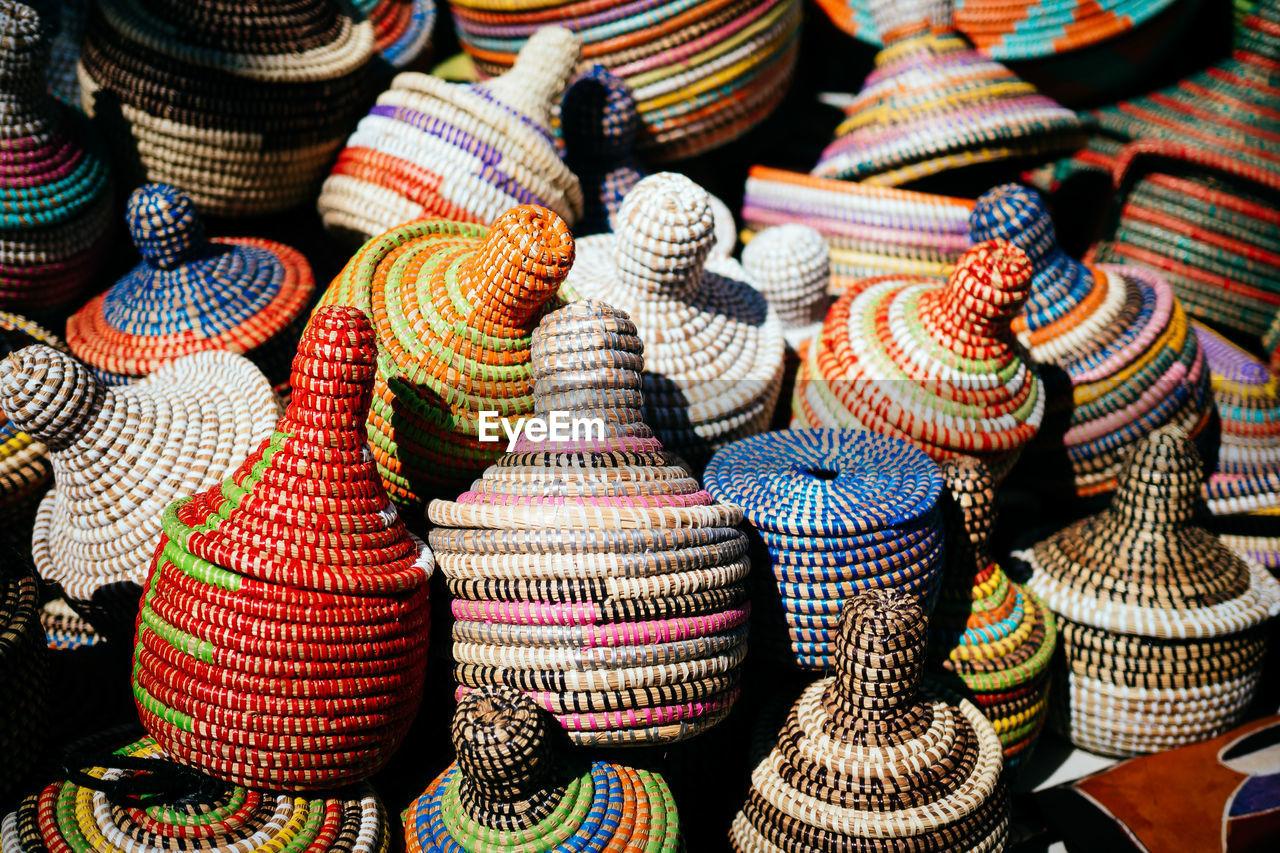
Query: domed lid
{"points": [[991, 631], [454, 308], [23, 466], [933, 104], [306, 509], [791, 266], [602, 465], [119, 455], [713, 350], [870, 753], [1142, 566], [936, 364], [189, 293]]}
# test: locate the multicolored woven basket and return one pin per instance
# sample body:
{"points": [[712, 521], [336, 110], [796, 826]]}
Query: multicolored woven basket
{"points": [[55, 187], [23, 675], [401, 28], [588, 568], [934, 104], [119, 455], [934, 364], [871, 230], [1163, 627], [97, 810], [453, 307], [840, 512], [702, 74], [508, 790], [1243, 493], [993, 634], [467, 152], [240, 106], [870, 759], [282, 640], [713, 348], [791, 267], [191, 294], [1127, 359], [65, 629]]}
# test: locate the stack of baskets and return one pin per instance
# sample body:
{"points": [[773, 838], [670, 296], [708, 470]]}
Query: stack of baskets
{"points": [[454, 308], [702, 73], [791, 267], [934, 364], [589, 569], [990, 632], [508, 790], [401, 28], [24, 467], [282, 640], [119, 455], [1164, 629], [713, 349], [934, 104], [869, 759], [871, 230], [840, 512], [55, 189], [191, 294], [241, 106], [1243, 493], [430, 148], [100, 807], [1120, 336], [22, 673]]}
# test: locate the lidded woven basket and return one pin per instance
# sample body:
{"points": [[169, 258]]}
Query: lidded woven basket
{"points": [[1163, 627], [282, 639], [587, 567], [453, 307], [791, 267]]}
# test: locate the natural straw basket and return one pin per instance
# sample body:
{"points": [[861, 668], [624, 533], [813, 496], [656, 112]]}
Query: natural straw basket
{"points": [[791, 267]]}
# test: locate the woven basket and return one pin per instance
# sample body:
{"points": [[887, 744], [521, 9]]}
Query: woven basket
{"points": [[65, 629], [791, 267], [992, 633], [65, 53], [401, 28], [55, 188], [23, 675], [702, 74], [1120, 336], [840, 511], [466, 152], [453, 308], [934, 364], [240, 107], [119, 455], [191, 294], [509, 790], [1163, 627], [871, 759], [590, 569], [713, 349], [89, 812], [934, 104]]}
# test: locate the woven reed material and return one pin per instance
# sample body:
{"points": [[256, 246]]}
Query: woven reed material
{"points": [[430, 148], [1155, 611], [283, 633], [714, 351], [119, 455], [509, 789], [702, 74], [453, 308], [871, 230], [1119, 335], [993, 633], [24, 465], [401, 28], [938, 365], [214, 818], [791, 267], [594, 573], [932, 104], [871, 759], [55, 188], [240, 107], [65, 51], [64, 629], [23, 673], [1243, 493], [192, 294], [840, 512]]}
